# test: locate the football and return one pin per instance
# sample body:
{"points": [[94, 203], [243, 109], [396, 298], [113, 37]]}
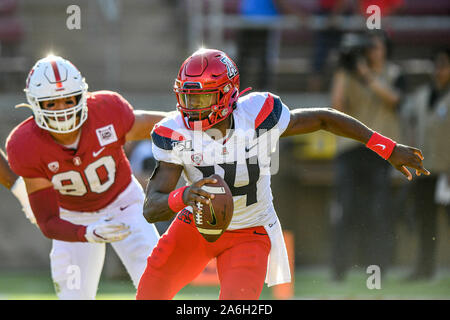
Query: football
{"points": [[212, 221]]}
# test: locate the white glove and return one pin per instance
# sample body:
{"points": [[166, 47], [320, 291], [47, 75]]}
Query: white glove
{"points": [[20, 191], [105, 230]]}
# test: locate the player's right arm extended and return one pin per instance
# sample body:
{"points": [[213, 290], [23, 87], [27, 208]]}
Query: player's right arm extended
{"points": [[159, 204]]}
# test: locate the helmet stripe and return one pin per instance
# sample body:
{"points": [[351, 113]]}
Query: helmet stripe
{"points": [[56, 73]]}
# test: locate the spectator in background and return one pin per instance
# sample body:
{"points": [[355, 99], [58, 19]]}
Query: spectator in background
{"points": [[368, 87], [141, 161], [11, 36], [328, 38], [11, 29], [142, 164], [428, 125], [325, 39], [260, 38]]}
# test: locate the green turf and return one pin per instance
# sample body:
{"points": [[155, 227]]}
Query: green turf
{"points": [[309, 284]]}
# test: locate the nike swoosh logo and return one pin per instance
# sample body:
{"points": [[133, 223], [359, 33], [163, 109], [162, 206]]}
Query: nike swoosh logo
{"points": [[95, 154], [213, 214], [381, 145], [123, 208], [261, 234]]}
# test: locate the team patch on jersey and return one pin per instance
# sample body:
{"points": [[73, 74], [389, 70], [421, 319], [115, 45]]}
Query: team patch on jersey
{"points": [[269, 115], [166, 138], [183, 145], [77, 161], [53, 166], [197, 158], [106, 135]]}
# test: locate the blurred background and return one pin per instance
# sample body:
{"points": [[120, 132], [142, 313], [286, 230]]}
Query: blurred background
{"points": [[344, 209]]}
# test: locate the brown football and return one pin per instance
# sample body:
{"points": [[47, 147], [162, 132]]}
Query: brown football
{"points": [[212, 221]]}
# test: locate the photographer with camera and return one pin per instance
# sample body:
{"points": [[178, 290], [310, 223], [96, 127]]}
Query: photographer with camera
{"points": [[426, 119], [368, 87]]}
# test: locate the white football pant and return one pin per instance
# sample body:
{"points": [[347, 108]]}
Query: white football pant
{"points": [[76, 266]]}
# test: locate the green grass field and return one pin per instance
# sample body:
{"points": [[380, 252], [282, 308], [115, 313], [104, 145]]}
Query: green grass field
{"points": [[309, 284]]}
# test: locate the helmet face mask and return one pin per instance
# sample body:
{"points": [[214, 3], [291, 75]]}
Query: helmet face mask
{"points": [[64, 120], [206, 91], [199, 102], [55, 78]]}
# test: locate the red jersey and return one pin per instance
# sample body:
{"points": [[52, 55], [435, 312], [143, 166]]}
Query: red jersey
{"points": [[90, 177]]}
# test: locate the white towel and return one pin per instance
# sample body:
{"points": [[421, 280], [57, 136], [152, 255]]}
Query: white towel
{"points": [[278, 262]]}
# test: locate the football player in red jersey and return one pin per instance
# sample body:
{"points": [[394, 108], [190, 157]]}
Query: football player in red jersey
{"points": [[252, 248], [79, 182]]}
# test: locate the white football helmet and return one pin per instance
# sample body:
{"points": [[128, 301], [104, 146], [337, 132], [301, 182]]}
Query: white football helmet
{"points": [[53, 78]]}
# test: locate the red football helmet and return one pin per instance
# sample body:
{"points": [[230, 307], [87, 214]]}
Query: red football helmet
{"points": [[207, 88]]}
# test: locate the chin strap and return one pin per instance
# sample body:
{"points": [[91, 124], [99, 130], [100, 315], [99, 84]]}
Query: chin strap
{"points": [[244, 91], [23, 105]]}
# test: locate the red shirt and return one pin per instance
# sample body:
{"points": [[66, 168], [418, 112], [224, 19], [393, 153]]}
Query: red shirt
{"points": [[91, 177]]}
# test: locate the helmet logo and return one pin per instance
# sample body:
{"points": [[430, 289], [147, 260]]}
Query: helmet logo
{"points": [[231, 69]]}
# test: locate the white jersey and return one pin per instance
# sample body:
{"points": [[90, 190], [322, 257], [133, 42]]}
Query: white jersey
{"points": [[242, 158]]}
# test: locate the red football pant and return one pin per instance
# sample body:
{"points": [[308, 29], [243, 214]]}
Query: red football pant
{"points": [[182, 253]]}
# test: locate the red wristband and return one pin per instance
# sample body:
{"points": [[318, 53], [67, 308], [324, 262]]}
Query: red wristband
{"points": [[176, 203], [381, 145]]}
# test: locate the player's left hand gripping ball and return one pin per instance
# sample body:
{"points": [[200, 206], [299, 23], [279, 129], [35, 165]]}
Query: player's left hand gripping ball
{"points": [[213, 219]]}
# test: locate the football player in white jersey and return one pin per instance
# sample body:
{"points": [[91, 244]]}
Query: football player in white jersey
{"points": [[216, 131]]}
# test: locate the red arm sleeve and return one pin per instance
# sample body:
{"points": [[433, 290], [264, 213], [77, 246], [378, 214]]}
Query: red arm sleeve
{"points": [[44, 204]]}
